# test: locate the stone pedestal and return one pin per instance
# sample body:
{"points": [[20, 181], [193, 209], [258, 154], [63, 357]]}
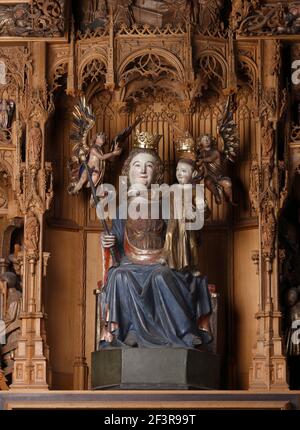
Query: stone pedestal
{"points": [[155, 368]]}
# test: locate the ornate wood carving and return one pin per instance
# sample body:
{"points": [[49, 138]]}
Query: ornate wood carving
{"points": [[58, 57], [254, 189], [32, 232], [40, 18], [252, 18], [268, 369], [173, 62], [206, 15]]}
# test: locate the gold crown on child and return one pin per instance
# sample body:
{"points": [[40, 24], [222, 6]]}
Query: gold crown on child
{"points": [[185, 147], [146, 140]]}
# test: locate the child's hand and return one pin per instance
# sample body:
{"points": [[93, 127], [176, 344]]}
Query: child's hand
{"points": [[117, 150]]}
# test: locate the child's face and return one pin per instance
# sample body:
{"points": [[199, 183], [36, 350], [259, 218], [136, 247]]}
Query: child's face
{"points": [[184, 173], [100, 140], [205, 142]]}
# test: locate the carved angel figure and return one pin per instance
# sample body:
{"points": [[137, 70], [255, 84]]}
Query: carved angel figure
{"points": [[88, 161], [211, 161], [96, 163]]}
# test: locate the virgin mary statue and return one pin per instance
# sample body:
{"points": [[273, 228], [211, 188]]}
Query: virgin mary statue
{"points": [[144, 302]]}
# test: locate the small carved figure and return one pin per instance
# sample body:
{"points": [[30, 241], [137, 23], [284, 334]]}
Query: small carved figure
{"points": [[88, 162], [3, 198], [240, 10], [268, 134], [254, 184], [16, 259], [32, 232], [124, 13], [206, 14], [3, 114], [35, 143], [178, 11], [96, 159], [268, 229], [211, 161], [293, 335], [14, 21], [293, 303], [95, 14], [11, 319], [7, 108]]}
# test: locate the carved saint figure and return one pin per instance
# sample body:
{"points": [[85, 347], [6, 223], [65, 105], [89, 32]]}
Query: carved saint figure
{"points": [[3, 114], [206, 13], [35, 144], [254, 184], [293, 303], [268, 222], [95, 14], [145, 303], [16, 259], [11, 319], [7, 108], [32, 232], [178, 11], [124, 12], [268, 134]]}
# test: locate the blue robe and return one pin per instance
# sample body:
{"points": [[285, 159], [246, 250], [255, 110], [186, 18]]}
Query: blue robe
{"points": [[160, 305]]}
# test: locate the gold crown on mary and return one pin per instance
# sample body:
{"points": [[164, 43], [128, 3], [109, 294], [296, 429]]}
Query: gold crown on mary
{"points": [[185, 147], [146, 140]]}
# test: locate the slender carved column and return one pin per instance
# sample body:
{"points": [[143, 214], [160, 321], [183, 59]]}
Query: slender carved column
{"points": [[268, 369], [34, 196], [80, 368]]}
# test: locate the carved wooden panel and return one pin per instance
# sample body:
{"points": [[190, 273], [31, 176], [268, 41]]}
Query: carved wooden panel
{"points": [[33, 19]]}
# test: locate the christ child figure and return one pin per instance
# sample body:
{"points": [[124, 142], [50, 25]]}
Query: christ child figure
{"points": [[181, 250]]}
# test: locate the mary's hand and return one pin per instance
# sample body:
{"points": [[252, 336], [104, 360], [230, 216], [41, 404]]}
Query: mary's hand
{"points": [[108, 240]]}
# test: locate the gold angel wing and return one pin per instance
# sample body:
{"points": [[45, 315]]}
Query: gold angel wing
{"points": [[228, 130], [82, 122]]}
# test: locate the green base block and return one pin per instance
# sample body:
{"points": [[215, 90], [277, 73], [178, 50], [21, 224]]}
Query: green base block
{"points": [[155, 368]]}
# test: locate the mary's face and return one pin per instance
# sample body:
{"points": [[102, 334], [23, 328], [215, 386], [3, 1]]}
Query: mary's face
{"points": [[141, 170]]}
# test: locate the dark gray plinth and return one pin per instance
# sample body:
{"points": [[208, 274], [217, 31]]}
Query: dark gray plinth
{"points": [[155, 368]]}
